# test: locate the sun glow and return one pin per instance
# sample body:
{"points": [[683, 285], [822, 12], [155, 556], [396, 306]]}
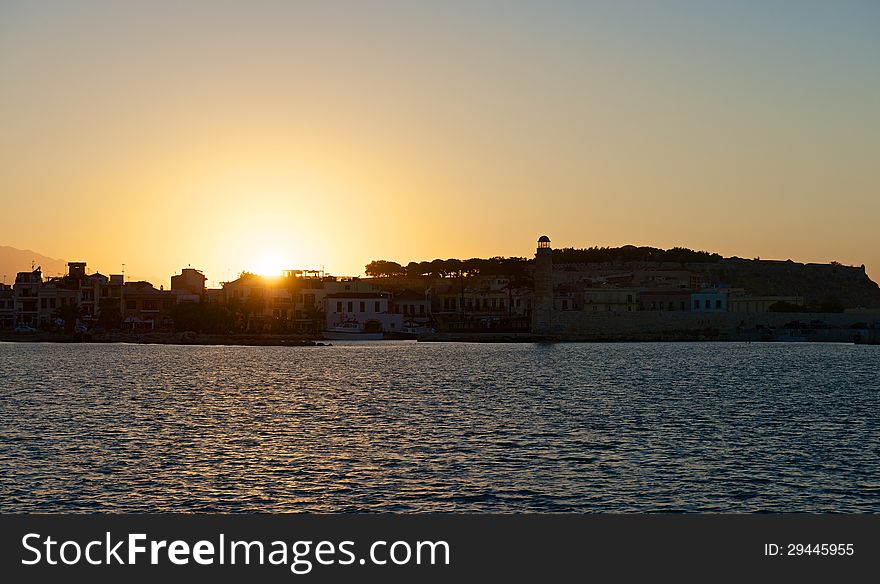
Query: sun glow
{"points": [[270, 265]]}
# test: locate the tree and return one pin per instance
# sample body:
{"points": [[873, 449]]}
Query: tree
{"points": [[383, 269], [109, 316], [69, 313], [187, 317]]}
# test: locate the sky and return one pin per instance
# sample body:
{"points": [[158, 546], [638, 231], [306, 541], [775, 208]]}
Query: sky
{"points": [[256, 135]]}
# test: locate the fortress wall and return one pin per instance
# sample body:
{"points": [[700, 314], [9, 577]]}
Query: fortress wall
{"points": [[638, 324]]}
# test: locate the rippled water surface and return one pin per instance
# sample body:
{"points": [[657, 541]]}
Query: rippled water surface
{"points": [[409, 426]]}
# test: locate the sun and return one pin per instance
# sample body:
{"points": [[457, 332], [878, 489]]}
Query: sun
{"points": [[270, 265]]}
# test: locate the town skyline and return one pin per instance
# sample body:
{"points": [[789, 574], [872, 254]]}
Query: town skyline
{"points": [[265, 133], [273, 266]]}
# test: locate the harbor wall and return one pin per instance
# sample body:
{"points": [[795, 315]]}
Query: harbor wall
{"points": [[706, 326]]}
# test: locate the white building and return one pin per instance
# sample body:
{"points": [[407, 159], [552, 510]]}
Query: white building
{"points": [[710, 300], [362, 311]]}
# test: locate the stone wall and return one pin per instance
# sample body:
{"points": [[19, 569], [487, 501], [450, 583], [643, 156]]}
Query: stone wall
{"points": [[646, 325]]}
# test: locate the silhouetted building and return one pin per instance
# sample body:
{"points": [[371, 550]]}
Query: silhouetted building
{"points": [[189, 285], [542, 301], [26, 291], [146, 309], [710, 300], [7, 307], [665, 300], [756, 304]]}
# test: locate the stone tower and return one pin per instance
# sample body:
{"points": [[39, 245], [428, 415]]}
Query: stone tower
{"points": [[542, 303]]}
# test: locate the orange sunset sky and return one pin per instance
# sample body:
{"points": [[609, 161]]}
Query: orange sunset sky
{"points": [[257, 135]]}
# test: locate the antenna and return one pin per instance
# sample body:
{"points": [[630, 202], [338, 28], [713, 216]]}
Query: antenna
{"points": [[123, 272]]}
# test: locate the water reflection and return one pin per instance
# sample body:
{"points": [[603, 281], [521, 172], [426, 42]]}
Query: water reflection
{"points": [[440, 427]]}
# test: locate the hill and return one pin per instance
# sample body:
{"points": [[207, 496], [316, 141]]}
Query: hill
{"points": [[13, 260]]}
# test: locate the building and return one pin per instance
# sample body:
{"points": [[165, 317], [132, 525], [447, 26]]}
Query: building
{"points": [[712, 300], [411, 304], [656, 278], [293, 302], [188, 286], [665, 300], [364, 311], [542, 300], [7, 307], [58, 301], [146, 309], [609, 299], [754, 304], [26, 292]]}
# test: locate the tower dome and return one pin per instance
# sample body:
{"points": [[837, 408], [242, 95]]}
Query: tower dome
{"points": [[543, 242]]}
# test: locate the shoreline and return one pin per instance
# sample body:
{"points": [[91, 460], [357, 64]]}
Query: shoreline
{"points": [[299, 340], [168, 338]]}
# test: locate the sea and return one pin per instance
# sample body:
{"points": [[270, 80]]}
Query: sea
{"points": [[406, 427]]}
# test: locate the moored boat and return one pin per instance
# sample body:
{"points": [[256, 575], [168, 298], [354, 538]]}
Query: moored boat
{"points": [[351, 331]]}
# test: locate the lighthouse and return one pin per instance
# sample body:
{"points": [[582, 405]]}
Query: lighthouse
{"points": [[542, 305]]}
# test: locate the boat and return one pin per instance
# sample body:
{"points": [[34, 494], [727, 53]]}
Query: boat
{"points": [[351, 331], [411, 329], [791, 336]]}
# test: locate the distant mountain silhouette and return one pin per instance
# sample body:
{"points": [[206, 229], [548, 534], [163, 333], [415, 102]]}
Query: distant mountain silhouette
{"points": [[14, 260]]}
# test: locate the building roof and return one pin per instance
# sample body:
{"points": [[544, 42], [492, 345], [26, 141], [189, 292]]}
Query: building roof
{"points": [[407, 294], [543, 239]]}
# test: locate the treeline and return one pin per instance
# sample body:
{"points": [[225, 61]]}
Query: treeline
{"points": [[514, 266], [202, 317], [448, 268], [631, 253]]}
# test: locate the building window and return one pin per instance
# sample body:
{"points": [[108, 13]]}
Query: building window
{"points": [[42, 303], [421, 310], [718, 304], [696, 304], [339, 306], [708, 304], [376, 306], [130, 304], [350, 306], [362, 306], [565, 305]]}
